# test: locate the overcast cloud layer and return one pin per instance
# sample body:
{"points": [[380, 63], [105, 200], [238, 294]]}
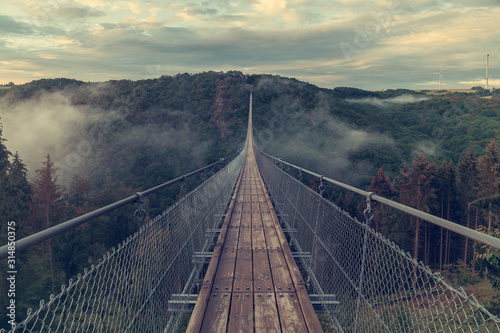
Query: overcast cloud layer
{"points": [[366, 44]]}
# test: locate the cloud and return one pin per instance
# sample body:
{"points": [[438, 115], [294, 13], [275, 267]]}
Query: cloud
{"points": [[315, 139], [90, 141], [39, 126], [392, 43], [194, 12], [271, 7], [73, 12], [389, 102], [9, 25], [481, 82]]}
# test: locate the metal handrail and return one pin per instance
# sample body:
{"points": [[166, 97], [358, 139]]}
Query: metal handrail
{"points": [[446, 224], [43, 235]]}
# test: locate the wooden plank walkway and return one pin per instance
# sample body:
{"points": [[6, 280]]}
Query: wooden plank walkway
{"points": [[252, 283]]}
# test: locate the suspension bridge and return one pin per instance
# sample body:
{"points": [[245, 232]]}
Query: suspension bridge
{"points": [[252, 249]]}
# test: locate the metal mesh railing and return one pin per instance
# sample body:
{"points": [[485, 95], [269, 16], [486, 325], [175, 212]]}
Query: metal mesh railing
{"points": [[379, 287], [128, 290]]}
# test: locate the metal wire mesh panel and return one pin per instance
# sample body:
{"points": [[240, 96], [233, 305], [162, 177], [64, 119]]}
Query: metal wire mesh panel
{"points": [[128, 290], [379, 287]]}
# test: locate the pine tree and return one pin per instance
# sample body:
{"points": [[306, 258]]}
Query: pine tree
{"points": [[415, 189], [4, 170], [382, 186], [446, 189], [467, 178], [46, 206], [79, 189], [19, 190], [489, 180], [4, 167]]}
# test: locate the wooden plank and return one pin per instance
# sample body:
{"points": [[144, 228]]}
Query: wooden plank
{"points": [[279, 269], [262, 279], [258, 238], [241, 317], [292, 265], [232, 238], [198, 314], [243, 273], [225, 272], [238, 208], [246, 216], [245, 237], [290, 313], [310, 317], [217, 313], [266, 313]]}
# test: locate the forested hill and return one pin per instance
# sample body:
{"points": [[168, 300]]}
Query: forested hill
{"points": [[107, 140], [143, 132]]}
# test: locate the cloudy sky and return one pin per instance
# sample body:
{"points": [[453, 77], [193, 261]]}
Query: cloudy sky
{"points": [[377, 44]]}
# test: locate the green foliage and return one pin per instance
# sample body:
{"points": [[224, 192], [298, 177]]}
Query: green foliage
{"points": [[452, 123], [348, 92], [151, 131], [487, 260]]}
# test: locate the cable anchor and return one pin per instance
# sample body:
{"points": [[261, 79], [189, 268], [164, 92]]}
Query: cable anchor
{"points": [[369, 213], [140, 214], [321, 186], [184, 187]]}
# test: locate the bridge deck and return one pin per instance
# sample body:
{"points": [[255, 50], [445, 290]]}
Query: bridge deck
{"points": [[252, 283]]}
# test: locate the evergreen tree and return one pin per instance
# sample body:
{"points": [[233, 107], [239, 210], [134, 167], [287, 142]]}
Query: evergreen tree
{"points": [[446, 190], [415, 189], [467, 177], [489, 181], [19, 191], [381, 185], [4, 167], [78, 193], [4, 170], [46, 207]]}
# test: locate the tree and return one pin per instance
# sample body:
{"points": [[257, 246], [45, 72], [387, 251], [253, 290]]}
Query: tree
{"points": [[79, 189], [382, 186], [446, 189], [18, 191], [4, 169], [46, 206], [415, 189], [467, 182], [489, 179]]}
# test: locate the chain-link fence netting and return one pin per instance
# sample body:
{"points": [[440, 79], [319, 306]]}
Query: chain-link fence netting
{"points": [[129, 289], [379, 287]]}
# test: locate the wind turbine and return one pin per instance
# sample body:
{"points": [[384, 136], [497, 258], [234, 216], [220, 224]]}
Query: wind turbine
{"points": [[487, 62], [440, 76]]}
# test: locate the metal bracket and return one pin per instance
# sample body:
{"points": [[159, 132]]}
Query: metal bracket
{"points": [[205, 257], [185, 303], [321, 187], [325, 303], [182, 303], [140, 214], [369, 213]]}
